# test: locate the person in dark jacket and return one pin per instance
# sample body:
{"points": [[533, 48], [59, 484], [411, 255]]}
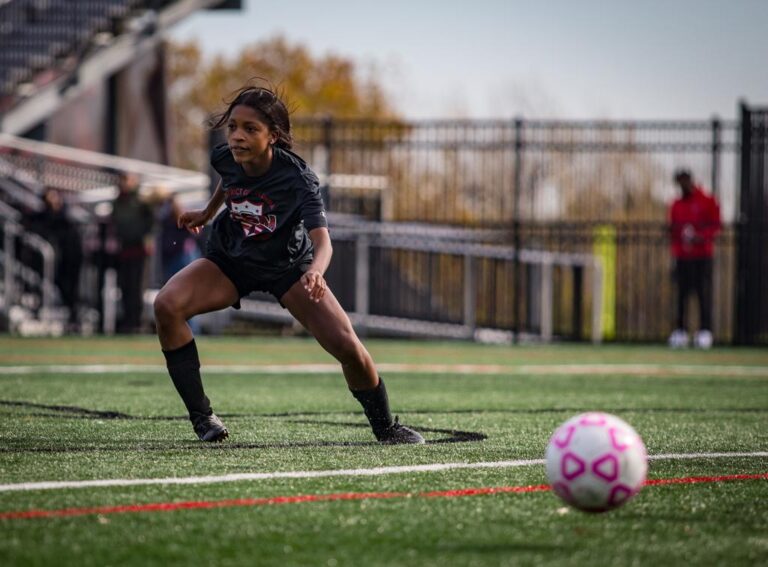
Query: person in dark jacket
{"points": [[132, 221], [55, 225], [178, 247]]}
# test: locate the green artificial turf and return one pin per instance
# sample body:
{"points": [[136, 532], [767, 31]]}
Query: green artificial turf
{"points": [[72, 425]]}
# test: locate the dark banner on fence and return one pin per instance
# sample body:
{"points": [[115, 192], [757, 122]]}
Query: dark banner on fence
{"points": [[751, 306]]}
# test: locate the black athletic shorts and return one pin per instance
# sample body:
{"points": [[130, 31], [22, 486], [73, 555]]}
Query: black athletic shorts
{"points": [[246, 281]]}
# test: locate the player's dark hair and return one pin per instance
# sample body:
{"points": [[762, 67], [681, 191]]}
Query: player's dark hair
{"points": [[682, 173], [270, 107]]}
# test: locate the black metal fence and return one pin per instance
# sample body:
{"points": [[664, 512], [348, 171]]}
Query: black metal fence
{"points": [[538, 185], [493, 173]]}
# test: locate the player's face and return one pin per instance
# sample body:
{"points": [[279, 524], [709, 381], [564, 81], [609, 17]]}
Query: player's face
{"points": [[249, 138]]}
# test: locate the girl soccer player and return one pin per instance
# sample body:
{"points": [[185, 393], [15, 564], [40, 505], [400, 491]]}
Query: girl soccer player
{"points": [[273, 237]]}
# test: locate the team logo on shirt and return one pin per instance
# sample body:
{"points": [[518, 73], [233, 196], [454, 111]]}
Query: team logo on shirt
{"points": [[250, 213]]}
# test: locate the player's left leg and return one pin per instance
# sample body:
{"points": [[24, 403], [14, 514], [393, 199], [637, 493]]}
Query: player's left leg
{"points": [[330, 325]]}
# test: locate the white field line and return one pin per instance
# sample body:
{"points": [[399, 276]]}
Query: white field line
{"points": [[377, 471], [394, 368]]}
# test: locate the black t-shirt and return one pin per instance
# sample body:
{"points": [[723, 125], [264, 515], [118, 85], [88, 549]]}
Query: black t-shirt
{"points": [[267, 219]]}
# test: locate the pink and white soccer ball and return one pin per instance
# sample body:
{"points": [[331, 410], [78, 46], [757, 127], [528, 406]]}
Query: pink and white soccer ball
{"points": [[596, 462]]}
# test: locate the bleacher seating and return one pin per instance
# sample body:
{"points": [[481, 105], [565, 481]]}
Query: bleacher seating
{"points": [[42, 40]]}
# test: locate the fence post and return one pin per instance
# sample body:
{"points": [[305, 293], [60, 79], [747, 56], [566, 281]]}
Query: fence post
{"points": [[741, 311], [328, 145], [516, 241], [716, 144], [597, 301], [470, 287], [9, 249], [604, 250], [578, 290], [362, 280], [546, 300], [751, 323], [110, 295]]}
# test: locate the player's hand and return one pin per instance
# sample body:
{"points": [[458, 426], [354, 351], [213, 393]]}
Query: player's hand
{"points": [[193, 221], [314, 282]]}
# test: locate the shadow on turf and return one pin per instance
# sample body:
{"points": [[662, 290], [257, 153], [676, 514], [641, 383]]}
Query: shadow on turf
{"points": [[69, 412], [451, 435], [79, 412]]}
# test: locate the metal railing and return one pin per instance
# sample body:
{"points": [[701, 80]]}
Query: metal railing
{"points": [[378, 278], [17, 275]]}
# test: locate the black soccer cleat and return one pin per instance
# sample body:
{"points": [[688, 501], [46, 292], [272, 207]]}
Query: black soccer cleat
{"points": [[397, 434], [210, 428]]}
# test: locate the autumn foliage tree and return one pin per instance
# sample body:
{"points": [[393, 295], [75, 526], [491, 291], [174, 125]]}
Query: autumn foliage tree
{"points": [[329, 85]]}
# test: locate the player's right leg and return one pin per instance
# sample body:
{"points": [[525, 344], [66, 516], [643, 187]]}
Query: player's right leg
{"points": [[201, 287]]}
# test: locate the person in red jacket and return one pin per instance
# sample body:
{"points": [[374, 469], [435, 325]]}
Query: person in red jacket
{"points": [[694, 221]]}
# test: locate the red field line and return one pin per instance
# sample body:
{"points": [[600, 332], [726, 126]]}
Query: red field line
{"points": [[700, 479], [191, 505]]}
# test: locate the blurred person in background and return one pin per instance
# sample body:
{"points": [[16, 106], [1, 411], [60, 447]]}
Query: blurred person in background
{"points": [[178, 246], [694, 221], [132, 221], [54, 224]]}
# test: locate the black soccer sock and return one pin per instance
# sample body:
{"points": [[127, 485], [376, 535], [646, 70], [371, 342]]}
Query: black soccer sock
{"points": [[376, 406], [184, 367]]}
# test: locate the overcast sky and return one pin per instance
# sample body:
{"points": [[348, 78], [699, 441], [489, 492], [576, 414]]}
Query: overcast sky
{"points": [[618, 59]]}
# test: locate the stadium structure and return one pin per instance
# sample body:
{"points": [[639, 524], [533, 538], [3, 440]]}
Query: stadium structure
{"points": [[82, 99]]}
